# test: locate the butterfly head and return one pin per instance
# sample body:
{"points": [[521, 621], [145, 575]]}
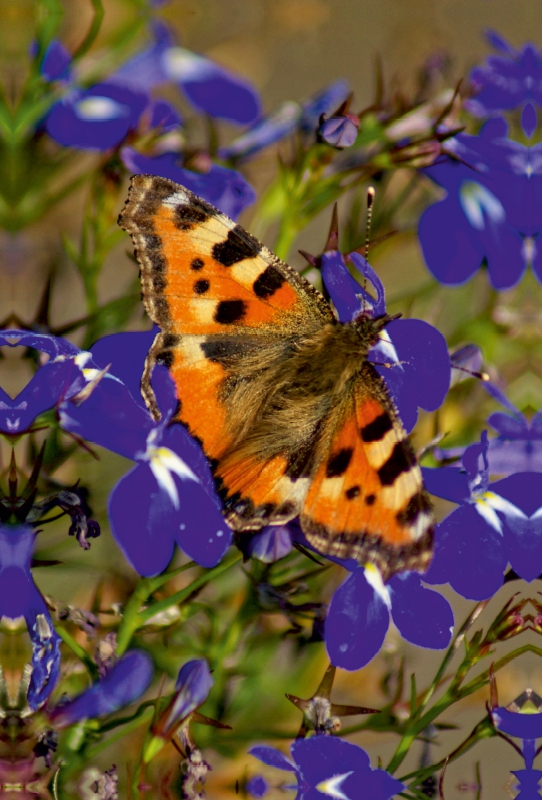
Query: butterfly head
{"points": [[369, 327]]}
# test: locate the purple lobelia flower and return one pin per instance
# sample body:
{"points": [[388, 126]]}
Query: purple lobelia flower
{"points": [[506, 81], [192, 688], [20, 597], [56, 62], [495, 524], [339, 131], [257, 787], [169, 496], [360, 611], [209, 88], [523, 719], [326, 766], [126, 681], [97, 118], [287, 118], [224, 188], [411, 355], [492, 212], [272, 543]]}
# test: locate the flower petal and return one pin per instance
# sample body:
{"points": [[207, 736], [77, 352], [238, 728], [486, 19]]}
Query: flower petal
{"points": [[143, 521], [272, 757], [469, 555], [356, 623], [123, 684], [422, 616]]}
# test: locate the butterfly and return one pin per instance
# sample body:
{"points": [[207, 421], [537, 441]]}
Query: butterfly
{"points": [[293, 418]]}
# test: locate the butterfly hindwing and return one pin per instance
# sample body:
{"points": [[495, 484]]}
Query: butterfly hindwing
{"points": [[366, 498]]}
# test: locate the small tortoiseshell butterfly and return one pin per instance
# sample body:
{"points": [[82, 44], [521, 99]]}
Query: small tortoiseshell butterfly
{"points": [[290, 413]]}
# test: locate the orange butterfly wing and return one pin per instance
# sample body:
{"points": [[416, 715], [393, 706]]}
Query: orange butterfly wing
{"points": [[366, 498]]}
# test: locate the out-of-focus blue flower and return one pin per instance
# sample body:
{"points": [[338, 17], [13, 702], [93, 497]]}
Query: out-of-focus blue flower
{"points": [[492, 212], [97, 118], [224, 188], [506, 81], [495, 524], [20, 597], [126, 681], [192, 688], [61, 378], [164, 116], [328, 766], [207, 86], [271, 543], [265, 132], [257, 787], [323, 102], [339, 131], [420, 375], [287, 118], [56, 62], [359, 615]]}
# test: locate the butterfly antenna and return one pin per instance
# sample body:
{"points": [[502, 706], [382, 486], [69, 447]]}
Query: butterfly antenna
{"points": [[370, 201]]}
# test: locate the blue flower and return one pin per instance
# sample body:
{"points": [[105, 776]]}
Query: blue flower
{"points": [[523, 720], [169, 496], [492, 212], [506, 81], [360, 611], [326, 766], [224, 188], [56, 63], [272, 543], [287, 118], [209, 88], [97, 118], [339, 131], [257, 787], [126, 681], [411, 355], [20, 597], [192, 688], [495, 524]]}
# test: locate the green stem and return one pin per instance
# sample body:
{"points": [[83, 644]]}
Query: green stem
{"points": [[133, 618], [79, 651]]}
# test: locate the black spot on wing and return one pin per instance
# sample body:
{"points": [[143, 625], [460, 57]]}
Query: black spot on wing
{"points": [[165, 358], [338, 463], [200, 287], [377, 429], [417, 505], [196, 264], [369, 500], [268, 282], [230, 311], [238, 245], [402, 458], [353, 492], [188, 215]]}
